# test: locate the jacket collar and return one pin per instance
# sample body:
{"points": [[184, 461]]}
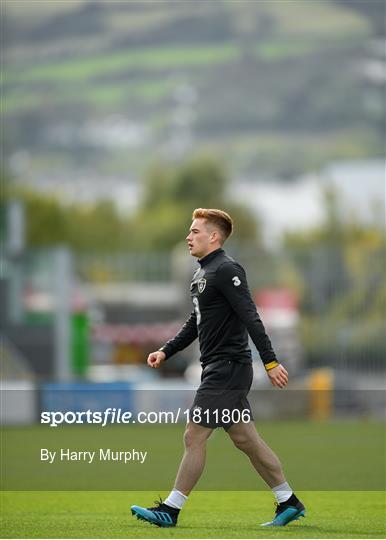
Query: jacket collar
{"points": [[205, 260]]}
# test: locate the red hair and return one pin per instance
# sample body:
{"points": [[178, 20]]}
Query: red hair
{"points": [[218, 218]]}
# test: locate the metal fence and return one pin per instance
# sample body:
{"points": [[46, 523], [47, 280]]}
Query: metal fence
{"points": [[342, 311]]}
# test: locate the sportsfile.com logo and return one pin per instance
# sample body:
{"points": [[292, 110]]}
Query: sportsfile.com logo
{"points": [[111, 416], [119, 416]]}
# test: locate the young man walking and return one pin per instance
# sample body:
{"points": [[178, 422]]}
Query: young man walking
{"points": [[223, 315]]}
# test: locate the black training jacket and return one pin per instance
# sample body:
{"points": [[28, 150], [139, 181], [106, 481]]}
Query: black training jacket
{"points": [[223, 314]]}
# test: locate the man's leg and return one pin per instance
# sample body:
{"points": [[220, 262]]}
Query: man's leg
{"points": [[193, 460], [165, 514], [267, 464], [263, 459]]}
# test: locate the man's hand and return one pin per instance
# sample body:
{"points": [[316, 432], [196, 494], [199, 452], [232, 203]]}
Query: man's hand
{"points": [[155, 359], [278, 376]]}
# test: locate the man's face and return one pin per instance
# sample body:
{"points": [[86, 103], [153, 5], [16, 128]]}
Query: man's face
{"points": [[201, 238]]}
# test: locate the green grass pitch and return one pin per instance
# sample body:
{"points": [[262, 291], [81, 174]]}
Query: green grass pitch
{"points": [[231, 514], [337, 469]]}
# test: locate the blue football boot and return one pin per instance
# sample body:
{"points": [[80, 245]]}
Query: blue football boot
{"points": [[161, 515], [286, 512]]}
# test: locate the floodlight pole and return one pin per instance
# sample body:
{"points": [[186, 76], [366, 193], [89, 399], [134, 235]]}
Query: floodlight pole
{"points": [[15, 243], [63, 278]]}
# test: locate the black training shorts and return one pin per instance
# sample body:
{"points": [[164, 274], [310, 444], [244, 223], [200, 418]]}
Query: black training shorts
{"points": [[221, 399]]}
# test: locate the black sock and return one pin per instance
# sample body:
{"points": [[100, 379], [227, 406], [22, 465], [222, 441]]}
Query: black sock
{"points": [[172, 510], [292, 500]]}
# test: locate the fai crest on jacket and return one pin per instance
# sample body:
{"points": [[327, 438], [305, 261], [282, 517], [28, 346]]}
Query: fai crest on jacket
{"points": [[201, 284]]}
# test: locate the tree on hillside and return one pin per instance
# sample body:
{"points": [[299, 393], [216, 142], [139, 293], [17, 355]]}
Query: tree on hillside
{"points": [[171, 193], [96, 227], [341, 266]]}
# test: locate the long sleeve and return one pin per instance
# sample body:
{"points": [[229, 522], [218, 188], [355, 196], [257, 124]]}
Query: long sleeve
{"points": [[185, 337], [232, 283]]}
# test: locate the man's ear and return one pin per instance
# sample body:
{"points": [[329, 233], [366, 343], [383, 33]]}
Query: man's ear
{"points": [[214, 235]]}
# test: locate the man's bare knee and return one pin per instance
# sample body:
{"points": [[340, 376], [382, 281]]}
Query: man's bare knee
{"points": [[238, 440], [244, 437], [242, 442], [195, 436]]}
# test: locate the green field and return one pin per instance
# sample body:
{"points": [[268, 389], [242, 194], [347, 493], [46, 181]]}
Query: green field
{"points": [[337, 467], [207, 515], [326, 456]]}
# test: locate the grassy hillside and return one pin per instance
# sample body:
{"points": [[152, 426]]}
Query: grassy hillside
{"points": [[292, 70]]}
